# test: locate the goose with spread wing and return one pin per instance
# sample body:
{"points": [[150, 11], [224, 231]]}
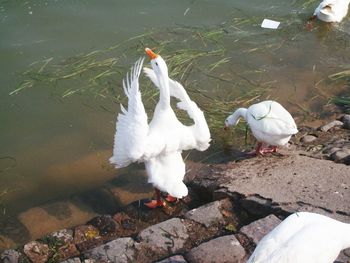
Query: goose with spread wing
{"points": [[303, 237], [269, 122], [160, 142], [332, 10]]}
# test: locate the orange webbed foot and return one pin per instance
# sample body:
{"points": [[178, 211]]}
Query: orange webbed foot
{"points": [[171, 199], [154, 204]]}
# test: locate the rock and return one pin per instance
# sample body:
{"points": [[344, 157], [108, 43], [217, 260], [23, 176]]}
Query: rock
{"points": [[72, 260], [120, 250], [331, 150], [344, 256], [208, 214], [10, 256], [221, 249], [36, 251], [258, 229], [5, 241], [125, 221], [308, 138], [62, 241], [173, 259], [168, 237], [346, 120], [294, 182], [338, 156], [86, 237], [65, 235], [330, 125], [105, 224], [67, 251], [257, 205], [53, 216]]}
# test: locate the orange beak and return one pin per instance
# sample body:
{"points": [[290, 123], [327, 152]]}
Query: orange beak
{"points": [[150, 53]]}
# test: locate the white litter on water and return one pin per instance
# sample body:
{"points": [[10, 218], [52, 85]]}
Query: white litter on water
{"points": [[186, 11], [271, 24]]}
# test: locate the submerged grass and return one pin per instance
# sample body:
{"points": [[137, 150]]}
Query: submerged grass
{"points": [[343, 102], [196, 56]]}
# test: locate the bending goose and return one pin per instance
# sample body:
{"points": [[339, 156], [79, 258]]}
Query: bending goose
{"points": [[303, 237], [332, 10], [159, 143], [269, 122]]}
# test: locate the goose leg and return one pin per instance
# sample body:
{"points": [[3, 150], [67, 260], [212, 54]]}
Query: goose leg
{"points": [[155, 203], [261, 150], [171, 199]]}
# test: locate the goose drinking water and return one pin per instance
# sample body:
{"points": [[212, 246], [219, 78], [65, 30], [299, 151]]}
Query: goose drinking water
{"points": [[269, 122]]}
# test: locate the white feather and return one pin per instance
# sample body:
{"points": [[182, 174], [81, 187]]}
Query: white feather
{"points": [[332, 10], [269, 121], [131, 126], [303, 237], [158, 144]]}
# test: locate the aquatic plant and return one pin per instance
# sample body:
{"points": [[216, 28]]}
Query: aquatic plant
{"points": [[343, 102]]}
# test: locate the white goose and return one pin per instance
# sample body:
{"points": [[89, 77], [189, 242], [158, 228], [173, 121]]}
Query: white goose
{"points": [[332, 10], [158, 144], [303, 237], [269, 122]]}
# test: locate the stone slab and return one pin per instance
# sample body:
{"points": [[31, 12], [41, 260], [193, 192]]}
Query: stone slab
{"points": [[167, 237], [218, 250], [120, 250], [208, 214], [296, 182], [256, 230]]}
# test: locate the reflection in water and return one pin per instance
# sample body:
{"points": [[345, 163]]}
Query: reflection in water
{"points": [[54, 151]]}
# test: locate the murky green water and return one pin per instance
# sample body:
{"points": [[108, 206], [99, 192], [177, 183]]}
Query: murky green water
{"points": [[55, 144]]}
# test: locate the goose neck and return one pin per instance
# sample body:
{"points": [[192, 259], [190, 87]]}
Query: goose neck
{"points": [[164, 92]]}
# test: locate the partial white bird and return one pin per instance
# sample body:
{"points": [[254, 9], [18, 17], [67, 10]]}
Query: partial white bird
{"points": [[303, 237], [332, 10], [269, 122], [158, 144]]}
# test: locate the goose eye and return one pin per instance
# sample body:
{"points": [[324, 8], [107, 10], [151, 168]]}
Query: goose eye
{"points": [[156, 63]]}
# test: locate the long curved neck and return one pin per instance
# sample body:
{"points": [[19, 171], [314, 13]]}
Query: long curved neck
{"points": [[239, 113], [164, 92]]}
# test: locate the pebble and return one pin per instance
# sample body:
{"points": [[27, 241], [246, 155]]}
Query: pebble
{"points": [[72, 260], [10, 256], [330, 125], [37, 252], [308, 138], [346, 120], [339, 155], [173, 259]]}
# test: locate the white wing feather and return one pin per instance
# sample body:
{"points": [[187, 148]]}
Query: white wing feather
{"points": [[199, 131], [131, 127]]}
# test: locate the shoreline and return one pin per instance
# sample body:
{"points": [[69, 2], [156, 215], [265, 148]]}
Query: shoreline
{"points": [[227, 203]]}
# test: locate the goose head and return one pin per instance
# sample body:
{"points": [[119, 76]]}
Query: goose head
{"points": [[229, 122], [158, 64]]}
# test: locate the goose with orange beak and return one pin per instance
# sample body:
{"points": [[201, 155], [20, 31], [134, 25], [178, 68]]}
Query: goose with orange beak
{"points": [[160, 142]]}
